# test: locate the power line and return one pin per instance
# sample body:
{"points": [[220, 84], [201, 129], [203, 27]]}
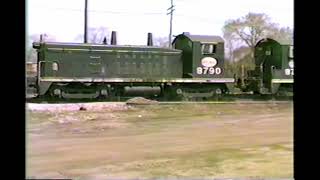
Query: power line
{"points": [[109, 12], [198, 18], [137, 13]]}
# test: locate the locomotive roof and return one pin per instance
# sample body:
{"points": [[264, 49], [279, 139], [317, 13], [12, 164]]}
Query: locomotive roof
{"points": [[204, 38], [281, 42], [102, 46]]}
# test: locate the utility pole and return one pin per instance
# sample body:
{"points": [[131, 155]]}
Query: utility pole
{"points": [[86, 21], [171, 13]]}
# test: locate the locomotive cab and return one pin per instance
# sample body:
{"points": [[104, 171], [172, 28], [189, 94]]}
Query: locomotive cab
{"points": [[203, 56], [203, 61], [274, 65]]}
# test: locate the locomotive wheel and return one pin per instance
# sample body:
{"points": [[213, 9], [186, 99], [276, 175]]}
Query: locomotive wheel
{"points": [[56, 92], [103, 93], [173, 94]]}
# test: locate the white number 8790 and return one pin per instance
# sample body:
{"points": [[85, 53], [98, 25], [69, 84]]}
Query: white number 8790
{"points": [[207, 70]]}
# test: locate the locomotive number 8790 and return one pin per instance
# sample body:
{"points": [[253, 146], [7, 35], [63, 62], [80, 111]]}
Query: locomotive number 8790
{"points": [[208, 70], [208, 66]]}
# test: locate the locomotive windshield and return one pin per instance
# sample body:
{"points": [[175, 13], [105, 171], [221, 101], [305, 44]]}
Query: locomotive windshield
{"points": [[208, 48]]}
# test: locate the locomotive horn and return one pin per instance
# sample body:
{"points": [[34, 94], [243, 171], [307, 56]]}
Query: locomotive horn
{"points": [[114, 38], [150, 42]]}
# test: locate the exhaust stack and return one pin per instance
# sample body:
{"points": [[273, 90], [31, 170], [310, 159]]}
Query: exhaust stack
{"points": [[150, 42], [114, 38], [104, 40], [41, 38]]}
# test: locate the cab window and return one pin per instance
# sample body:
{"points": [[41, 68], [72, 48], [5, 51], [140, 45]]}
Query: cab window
{"points": [[208, 48]]}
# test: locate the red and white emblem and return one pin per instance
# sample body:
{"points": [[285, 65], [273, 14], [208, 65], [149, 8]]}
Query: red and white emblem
{"points": [[209, 62]]}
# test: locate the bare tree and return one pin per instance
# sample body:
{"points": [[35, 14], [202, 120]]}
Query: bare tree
{"points": [[31, 54], [96, 35], [230, 46], [45, 37], [161, 42], [281, 34], [249, 29], [242, 34]]}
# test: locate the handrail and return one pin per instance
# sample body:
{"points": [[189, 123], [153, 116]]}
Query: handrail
{"points": [[39, 67]]}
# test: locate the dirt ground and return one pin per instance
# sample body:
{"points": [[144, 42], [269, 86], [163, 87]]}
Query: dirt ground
{"points": [[113, 140]]}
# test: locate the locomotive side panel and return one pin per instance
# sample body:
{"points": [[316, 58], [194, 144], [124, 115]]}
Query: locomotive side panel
{"points": [[145, 65], [111, 63]]}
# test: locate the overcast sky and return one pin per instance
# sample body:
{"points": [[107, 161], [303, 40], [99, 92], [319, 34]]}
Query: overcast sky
{"points": [[133, 19]]}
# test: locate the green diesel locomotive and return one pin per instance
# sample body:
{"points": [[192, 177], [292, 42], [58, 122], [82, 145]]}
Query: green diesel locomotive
{"points": [[274, 68], [193, 68]]}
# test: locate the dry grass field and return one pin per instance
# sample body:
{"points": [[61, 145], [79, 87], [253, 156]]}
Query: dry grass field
{"points": [[178, 140]]}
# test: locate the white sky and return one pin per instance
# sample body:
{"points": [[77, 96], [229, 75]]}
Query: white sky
{"points": [[133, 19]]}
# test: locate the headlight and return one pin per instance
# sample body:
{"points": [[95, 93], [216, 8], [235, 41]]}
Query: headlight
{"points": [[55, 66]]}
